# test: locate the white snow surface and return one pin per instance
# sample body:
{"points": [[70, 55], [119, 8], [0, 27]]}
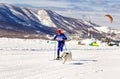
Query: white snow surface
{"points": [[103, 29], [34, 59], [107, 29], [45, 19]]}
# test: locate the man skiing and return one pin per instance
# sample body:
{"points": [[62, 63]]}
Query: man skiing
{"points": [[60, 37]]}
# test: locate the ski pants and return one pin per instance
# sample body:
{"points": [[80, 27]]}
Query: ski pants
{"points": [[60, 47]]}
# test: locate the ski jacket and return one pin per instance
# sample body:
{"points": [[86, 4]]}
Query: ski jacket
{"points": [[60, 37]]}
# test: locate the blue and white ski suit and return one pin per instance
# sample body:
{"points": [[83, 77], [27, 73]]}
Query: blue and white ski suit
{"points": [[61, 41]]}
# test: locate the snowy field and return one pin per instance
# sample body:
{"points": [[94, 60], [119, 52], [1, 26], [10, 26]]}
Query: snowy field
{"points": [[34, 59]]}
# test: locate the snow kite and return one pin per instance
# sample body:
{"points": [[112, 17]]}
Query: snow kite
{"points": [[109, 17]]}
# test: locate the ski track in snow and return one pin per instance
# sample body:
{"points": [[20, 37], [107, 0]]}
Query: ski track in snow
{"points": [[37, 61], [20, 70], [41, 65]]}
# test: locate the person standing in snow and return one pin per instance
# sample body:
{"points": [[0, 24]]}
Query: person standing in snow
{"points": [[60, 37]]}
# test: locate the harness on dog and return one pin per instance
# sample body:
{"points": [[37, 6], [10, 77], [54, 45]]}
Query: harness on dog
{"points": [[66, 54]]}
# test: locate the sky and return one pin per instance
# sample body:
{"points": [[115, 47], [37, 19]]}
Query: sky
{"points": [[61, 3], [77, 8], [83, 5], [96, 5]]}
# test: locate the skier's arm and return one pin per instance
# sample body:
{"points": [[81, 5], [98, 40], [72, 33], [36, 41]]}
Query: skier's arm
{"points": [[55, 37], [64, 37]]}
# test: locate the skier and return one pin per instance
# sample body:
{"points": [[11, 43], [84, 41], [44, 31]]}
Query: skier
{"points": [[60, 37]]}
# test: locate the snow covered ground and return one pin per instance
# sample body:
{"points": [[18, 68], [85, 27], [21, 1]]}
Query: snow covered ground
{"points": [[33, 59]]}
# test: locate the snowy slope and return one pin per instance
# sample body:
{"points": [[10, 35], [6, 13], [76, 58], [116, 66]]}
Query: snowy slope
{"points": [[107, 29], [103, 29], [43, 22], [21, 20], [39, 21], [45, 18], [33, 59]]}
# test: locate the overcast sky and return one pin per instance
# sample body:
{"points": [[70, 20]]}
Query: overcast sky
{"points": [[70, 5], [60, 3], [97, 5]]}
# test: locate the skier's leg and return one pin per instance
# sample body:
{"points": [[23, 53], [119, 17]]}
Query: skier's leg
{"points": [[61, 47], [58, 50]]}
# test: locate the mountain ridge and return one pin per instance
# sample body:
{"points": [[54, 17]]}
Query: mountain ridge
{"points": [[41, 22]]}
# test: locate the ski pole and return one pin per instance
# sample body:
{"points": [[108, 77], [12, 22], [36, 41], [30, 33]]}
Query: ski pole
{"points": [[55, 50], [65, 47]]}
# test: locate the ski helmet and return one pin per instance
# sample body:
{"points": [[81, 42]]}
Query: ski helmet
{"points": [[59, 31]]}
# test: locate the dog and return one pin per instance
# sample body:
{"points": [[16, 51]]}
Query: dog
{"points": [[66, 56]]}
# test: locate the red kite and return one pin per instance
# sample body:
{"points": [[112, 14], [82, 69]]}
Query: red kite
{"points": [[110, 17]]}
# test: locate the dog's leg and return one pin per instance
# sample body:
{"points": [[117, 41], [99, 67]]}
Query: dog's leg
{"points": [[65, 58]]}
